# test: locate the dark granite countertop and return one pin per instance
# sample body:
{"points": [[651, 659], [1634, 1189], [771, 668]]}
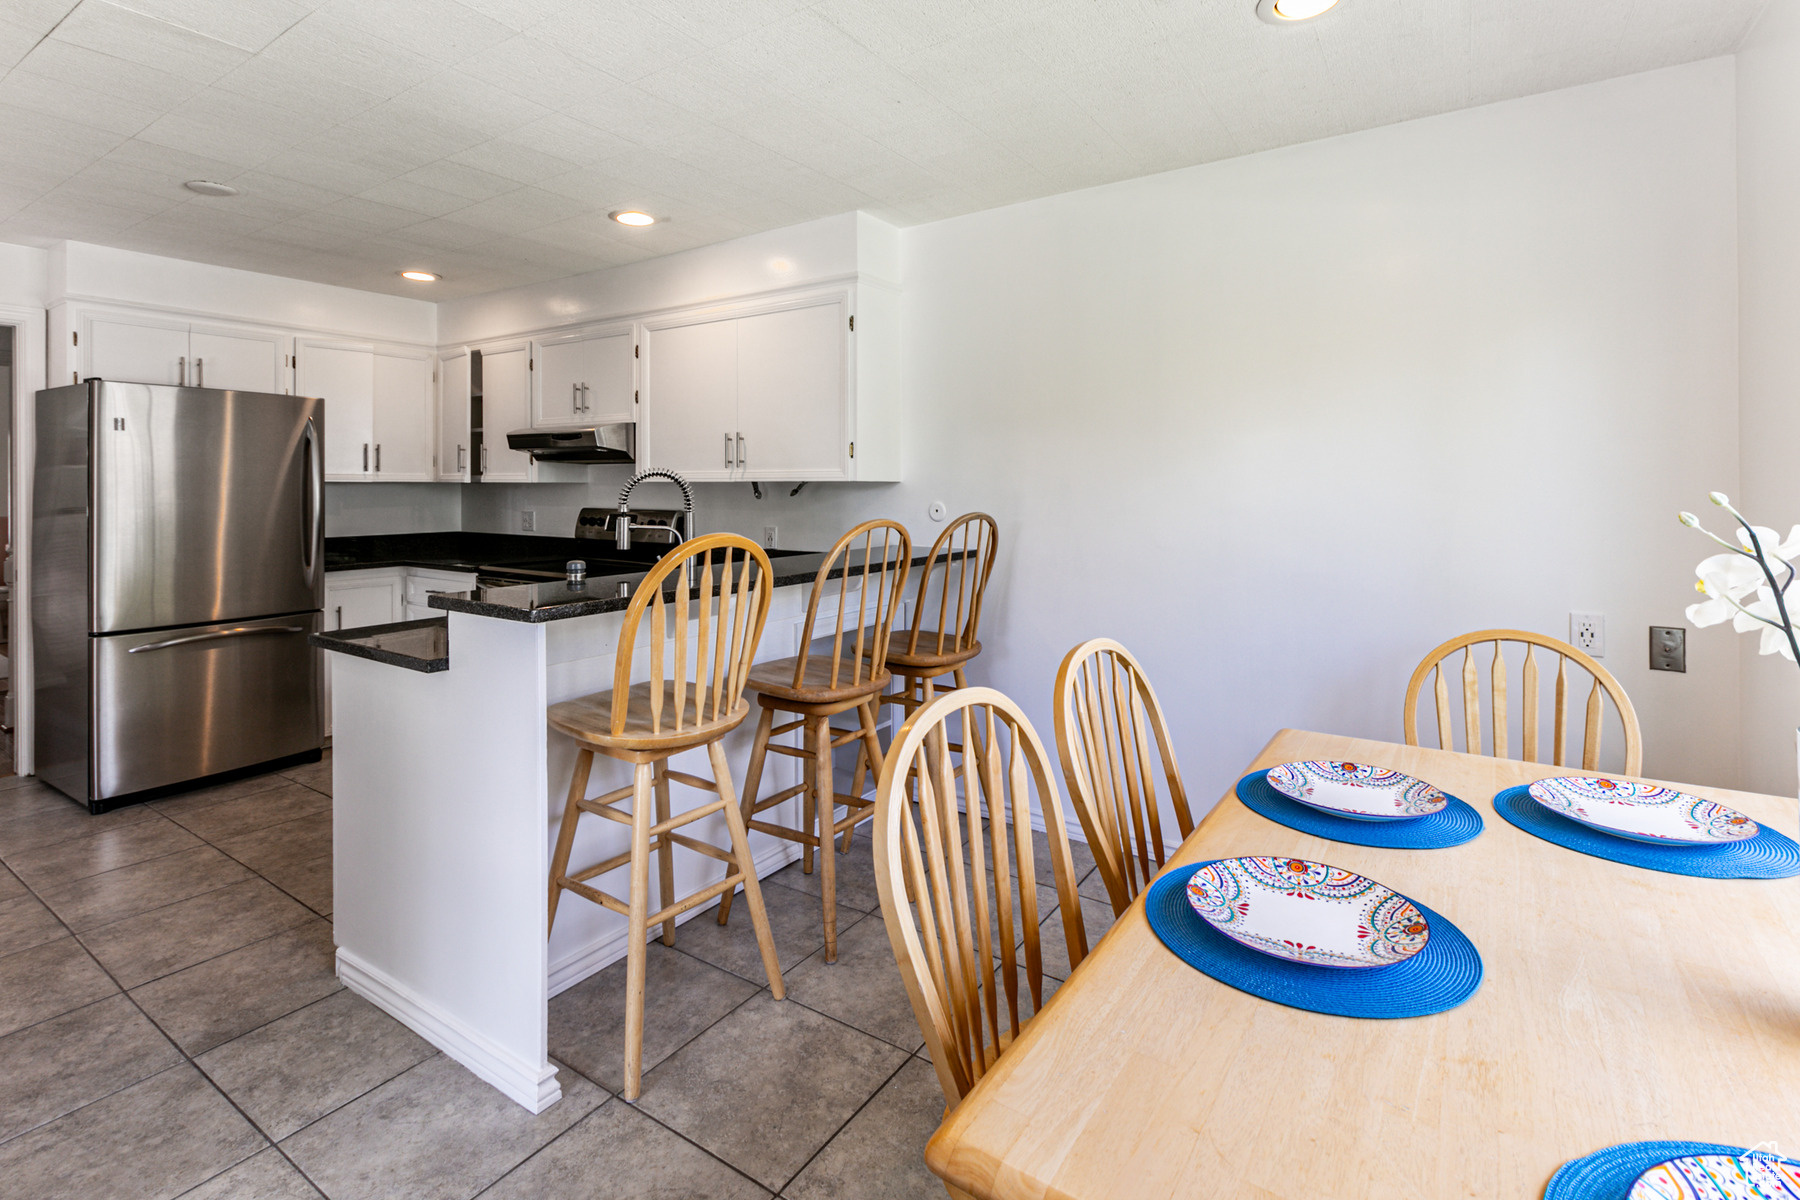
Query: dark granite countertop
{"points": [[415, 645], [538, 603], [459, 550]]}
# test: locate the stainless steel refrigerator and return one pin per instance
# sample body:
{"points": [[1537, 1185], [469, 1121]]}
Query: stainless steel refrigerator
{"points": [[177, 570]]}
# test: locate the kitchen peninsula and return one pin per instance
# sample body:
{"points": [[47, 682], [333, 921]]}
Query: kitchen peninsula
{"points": [[448, 784]]}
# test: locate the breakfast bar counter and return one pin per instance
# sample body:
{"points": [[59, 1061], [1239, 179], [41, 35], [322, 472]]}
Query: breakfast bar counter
{"points": [[448, 785]]}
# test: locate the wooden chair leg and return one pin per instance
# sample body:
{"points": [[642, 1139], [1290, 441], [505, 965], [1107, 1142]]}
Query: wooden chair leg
{"points": [[808, 800], [868, 755], [565, 836], [665, 852], [752, 782], [825, 788], [740, 846], [642, 802]]}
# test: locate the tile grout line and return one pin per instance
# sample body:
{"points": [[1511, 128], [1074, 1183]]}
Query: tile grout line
{"points": [[836, 1133]]}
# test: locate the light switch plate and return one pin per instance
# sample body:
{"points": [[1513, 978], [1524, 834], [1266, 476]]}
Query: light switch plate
{"points": [[1587, 631], [769, 535], [1668, 648], [528, 520]]}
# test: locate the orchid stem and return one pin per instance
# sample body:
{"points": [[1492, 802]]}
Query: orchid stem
{"points": [[1787, 625]]}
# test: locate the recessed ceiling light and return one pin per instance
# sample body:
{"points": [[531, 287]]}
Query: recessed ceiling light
{"points": [[419, 276], [207, 187], [1286, 12], [632, 216]]}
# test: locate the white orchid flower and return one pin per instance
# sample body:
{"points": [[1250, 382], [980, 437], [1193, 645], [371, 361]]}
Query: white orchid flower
{"points": [[1772, 544], [1725, 579]]}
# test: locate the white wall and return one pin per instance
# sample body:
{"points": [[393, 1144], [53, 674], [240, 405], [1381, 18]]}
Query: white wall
{"points": [[24, 275], [1302, 415], [1768, 99], [359, 508]]}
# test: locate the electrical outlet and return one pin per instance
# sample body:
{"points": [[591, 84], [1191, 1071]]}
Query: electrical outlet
{"points": [[528, 520], [1587, 631], [1668, 648], [769, 537]]}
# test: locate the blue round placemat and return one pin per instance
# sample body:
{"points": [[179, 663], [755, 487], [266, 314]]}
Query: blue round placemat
{"points": [[1768, 855], [1455, 824], [1439, 977], [1608, 1174]]}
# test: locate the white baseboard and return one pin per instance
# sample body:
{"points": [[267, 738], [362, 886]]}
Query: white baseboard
{"points": [[583, 961], [533, 1085]]}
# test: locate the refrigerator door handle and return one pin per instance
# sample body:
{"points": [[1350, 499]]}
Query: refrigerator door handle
{"points": [[240, 631], [314, 500]]}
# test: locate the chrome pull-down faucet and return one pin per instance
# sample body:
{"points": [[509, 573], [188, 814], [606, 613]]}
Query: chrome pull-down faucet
{"points": [[622, 526]]}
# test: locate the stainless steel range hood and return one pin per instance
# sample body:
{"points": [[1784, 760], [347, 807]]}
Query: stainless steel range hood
{"points": [[615, 443]]}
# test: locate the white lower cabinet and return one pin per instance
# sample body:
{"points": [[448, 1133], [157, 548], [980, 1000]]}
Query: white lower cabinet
{"points": [[381, 596]]}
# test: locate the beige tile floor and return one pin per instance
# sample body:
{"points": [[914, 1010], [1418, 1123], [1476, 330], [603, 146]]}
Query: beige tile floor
{"points": [[170, 1025]]}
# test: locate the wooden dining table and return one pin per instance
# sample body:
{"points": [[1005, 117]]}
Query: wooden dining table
{"points": [[1618, 1004]]}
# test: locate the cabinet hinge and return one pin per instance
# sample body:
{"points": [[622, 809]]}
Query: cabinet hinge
{"points": [[852, 449], [634, 397], [852, 322], [634, 351], [531, 364], [75, 337]]}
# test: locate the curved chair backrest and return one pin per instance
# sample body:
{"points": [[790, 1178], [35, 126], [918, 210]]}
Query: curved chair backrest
{"points": [[726, 606], [948, 938], [966, 548], [1106, 716], [883, 577], [1471, 700]]}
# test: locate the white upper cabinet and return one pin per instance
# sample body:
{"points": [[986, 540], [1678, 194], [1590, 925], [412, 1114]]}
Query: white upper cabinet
{"points": [[588, 377], [690, 386], [343, 375], [453, 440], [792, 382], [247, 360], [404, 417], [135, 348], [505, 406], [379, 416], [757, 391]]}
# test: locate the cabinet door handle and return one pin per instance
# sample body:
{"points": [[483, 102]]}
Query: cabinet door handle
{"points": [[199, 372], [459, 457], [365, 456], [574, 397], [484, 460], [587, 402], [378, 458], [181, 370], [340, 616], [728, 461], [740, 442]]}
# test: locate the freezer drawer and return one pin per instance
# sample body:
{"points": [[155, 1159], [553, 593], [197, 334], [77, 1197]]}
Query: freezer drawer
{"points": [[179, 704]]}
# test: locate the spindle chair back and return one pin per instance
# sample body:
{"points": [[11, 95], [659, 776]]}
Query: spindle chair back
{"points": [[1107, 716], [1434, 666], [952, 916]]}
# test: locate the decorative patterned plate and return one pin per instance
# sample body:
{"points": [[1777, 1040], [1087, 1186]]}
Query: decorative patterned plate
{"points": [[1357, 790], [1642, 811], [1718, 1177], [1307, 912]]}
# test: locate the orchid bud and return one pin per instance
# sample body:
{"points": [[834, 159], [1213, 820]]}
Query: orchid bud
{"points": [[1690, 520], [1720, 499]]}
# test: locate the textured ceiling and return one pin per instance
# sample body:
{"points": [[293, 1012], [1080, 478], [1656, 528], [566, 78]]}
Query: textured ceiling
{"points": [[488, 139]]}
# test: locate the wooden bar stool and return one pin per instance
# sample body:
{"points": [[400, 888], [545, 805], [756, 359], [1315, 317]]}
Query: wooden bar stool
{"points": [[923, 654], [644, 723], [847, 672]]}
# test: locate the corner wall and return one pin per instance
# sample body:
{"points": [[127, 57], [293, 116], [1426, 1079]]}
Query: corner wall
{"points": [[1768, 145]]}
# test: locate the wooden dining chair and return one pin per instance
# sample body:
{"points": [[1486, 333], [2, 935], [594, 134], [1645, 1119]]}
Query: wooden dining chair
{"points": [[844, 672], [1500, 734], [1106, 717], [970, 912], [942, 642], [683, 705]]}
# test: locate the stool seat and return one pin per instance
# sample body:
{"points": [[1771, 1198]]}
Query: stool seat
{"points": [[590, 719], [924, 659], [775, 680]]}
